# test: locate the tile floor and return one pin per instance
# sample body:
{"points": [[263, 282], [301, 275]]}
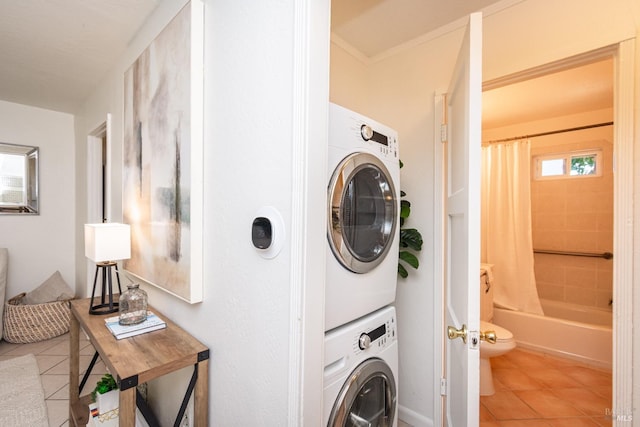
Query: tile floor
{"points": [[53, 360], [532, 389], [536, 390]]}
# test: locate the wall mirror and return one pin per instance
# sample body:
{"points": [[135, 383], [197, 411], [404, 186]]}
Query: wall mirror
{"points": [[18, 179]]}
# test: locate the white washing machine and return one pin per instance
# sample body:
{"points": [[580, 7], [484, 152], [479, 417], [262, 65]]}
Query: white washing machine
{"points": [[361, 372], [363, 216]]}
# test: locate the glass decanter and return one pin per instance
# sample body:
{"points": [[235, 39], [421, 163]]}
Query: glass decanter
{"points": [[133, 305]]}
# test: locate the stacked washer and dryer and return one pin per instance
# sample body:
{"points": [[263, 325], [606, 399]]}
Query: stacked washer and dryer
{"points": [[361, 348]]}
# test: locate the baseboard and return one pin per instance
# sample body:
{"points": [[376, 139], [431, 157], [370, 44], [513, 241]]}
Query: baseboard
{"points": [[413, 418]]}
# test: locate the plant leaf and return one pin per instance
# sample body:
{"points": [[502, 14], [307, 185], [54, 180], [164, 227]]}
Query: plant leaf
{"points": [[405, 209], [402, 271], [409, 258], [411, 238]]}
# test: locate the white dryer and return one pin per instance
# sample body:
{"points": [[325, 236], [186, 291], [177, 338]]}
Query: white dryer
{"points": [[361, 372], [363, 216]]}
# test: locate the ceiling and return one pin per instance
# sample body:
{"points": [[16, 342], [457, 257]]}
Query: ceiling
{"points": [[374, 26], [577, 90], [55, 52]]}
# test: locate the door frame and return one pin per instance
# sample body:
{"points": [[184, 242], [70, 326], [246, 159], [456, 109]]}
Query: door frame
{"points": [[97, 190], [623, 54]]}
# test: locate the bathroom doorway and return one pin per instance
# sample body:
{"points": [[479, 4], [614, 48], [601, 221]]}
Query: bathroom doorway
{"points": [[565, 114]]}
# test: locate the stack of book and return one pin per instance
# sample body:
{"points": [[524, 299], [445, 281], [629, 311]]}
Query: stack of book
{"points": [[111, 418], [152, 323]]}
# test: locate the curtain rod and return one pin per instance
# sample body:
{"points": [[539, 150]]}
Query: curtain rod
{"points": [[553, 132]]}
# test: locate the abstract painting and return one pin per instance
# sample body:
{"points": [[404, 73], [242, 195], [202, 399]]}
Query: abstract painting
{"points": [[162, 158]]}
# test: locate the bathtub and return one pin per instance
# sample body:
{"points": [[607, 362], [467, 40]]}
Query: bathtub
{"points": [[567, 330]]}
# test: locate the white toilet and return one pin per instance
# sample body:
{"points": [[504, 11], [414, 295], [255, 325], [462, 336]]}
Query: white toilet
{"points": [[504, 338]]}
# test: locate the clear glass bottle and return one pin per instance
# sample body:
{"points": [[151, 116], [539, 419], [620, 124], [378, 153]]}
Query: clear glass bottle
{"points": [[133, 305]]}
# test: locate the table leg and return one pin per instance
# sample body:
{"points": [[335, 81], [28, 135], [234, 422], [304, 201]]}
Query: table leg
{"points": [[127, 410], [74, 363], [201, 397]]}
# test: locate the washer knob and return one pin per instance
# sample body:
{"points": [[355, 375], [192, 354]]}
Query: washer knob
{"points": [[366, 132], [364, 342]]}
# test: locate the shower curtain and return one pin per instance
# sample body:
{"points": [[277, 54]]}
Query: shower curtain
{"points": [[506, 225]]}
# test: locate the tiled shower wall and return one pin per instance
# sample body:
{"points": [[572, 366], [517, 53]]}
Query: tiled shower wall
{"points": [[574, 214]]}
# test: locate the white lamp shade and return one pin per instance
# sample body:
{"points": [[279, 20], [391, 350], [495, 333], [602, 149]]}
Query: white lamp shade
{"points": [[107, 241]]}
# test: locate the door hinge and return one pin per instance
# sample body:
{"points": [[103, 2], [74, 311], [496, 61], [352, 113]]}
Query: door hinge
{"points": [[443, 132], [443, 386]]}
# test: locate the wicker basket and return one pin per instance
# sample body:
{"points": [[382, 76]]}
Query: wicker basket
{"points": [[27, 323]]}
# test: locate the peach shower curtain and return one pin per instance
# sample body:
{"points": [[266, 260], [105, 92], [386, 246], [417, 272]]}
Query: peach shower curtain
{"points": [[506, 224]]}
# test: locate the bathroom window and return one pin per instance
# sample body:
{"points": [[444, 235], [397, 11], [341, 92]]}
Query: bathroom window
{"points": [[568, 165]]}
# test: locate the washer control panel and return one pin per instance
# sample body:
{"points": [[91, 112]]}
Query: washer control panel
{"points": [[376, 338], [384, 145]]}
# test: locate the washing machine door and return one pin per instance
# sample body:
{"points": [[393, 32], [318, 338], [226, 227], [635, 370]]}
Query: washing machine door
{"points": [[368, 398], [362, 217]]}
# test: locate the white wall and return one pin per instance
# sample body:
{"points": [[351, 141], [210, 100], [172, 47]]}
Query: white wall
{"points": [[41, 244], [265, 121], [517, 35]]}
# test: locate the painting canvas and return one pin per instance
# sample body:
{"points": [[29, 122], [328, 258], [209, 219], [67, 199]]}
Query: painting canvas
{"points": [[162, 158]]}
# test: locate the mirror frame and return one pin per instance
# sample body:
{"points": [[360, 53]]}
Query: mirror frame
{"points": [[31, 188]]}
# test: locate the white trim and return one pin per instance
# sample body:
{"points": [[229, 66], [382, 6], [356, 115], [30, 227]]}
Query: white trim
{"points": [[307, 236], [94, 184], [552, 67], [623, 267], [108, 187], [340, 42], [438, 251]]}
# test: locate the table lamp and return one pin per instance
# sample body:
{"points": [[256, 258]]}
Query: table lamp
{"points": [[105, 244]]}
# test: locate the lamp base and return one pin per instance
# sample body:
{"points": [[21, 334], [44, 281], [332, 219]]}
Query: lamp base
{"points": [[106, 304], [104, 308]]}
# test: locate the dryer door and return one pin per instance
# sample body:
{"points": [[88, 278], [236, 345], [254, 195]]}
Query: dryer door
{"points": [[368, 398], [363, 212]]}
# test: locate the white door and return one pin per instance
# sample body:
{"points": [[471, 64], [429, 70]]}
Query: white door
{"points": [[462, 228]]}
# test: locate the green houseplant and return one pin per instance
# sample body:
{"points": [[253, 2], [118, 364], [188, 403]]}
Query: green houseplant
{"points": [[410, 239], [106, 394]]}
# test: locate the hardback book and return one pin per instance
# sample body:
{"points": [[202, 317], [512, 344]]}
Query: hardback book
{"points": [[152, 323]]}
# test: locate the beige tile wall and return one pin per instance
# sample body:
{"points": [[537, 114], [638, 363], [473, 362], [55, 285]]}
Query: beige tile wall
{"points": [[574, 215]]}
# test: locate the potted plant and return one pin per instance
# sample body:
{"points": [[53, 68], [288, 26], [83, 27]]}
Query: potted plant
{"points": [[106, 394], [410, 239]]}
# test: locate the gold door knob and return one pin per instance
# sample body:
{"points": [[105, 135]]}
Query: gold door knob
{"points": [[488, 336], [454, 333]]}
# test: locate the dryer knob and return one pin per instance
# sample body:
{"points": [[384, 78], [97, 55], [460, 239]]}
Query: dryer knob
{"points": [[366, 132], [364, 342]]}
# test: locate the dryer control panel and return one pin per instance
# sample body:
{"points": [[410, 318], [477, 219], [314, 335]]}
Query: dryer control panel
{"points": [[377, 338]]}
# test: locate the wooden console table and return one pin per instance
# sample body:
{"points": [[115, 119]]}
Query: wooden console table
{"points": [[134, 361]]}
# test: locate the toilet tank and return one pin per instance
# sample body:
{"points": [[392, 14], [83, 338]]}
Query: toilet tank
{"points": [[486, 292]]}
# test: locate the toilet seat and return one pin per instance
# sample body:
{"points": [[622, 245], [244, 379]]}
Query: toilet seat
{"points": [[502, 334]]}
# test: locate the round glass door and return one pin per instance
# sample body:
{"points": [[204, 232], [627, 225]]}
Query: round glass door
{"points": [[362, 212], [368, 398]]}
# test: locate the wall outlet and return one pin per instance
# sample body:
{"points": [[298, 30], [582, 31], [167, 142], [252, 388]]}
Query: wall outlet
{"points": [[188, 415]]}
